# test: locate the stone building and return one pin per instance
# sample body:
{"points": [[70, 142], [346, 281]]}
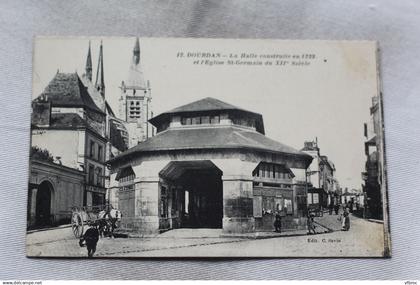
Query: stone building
{"points": [[72, 120], [53, 190], [210, 165], [67, 123], [374, 167], [323, 187], [116, 133]]}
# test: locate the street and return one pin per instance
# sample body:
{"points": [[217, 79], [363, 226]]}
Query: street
{"points": [[364, 238]]}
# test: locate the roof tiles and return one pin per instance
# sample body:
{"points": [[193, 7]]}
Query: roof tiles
{"points": [[67, 90]]}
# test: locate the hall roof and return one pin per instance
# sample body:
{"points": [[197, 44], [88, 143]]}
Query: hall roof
{"points": [[207, 105], [227, 137], [67, 90]]}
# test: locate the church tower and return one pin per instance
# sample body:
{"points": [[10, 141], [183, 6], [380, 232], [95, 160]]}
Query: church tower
{"points": [[100, 81], [135, 101], [88, 68]]}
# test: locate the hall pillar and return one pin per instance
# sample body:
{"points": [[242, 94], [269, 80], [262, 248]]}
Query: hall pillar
{"points": [[146, 219], [238, 216], [143, 215]]}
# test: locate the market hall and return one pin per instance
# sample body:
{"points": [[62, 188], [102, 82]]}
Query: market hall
{"points": [[210, 165]]}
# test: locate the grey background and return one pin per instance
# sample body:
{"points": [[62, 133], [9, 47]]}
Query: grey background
{"points": [[395, 24]]}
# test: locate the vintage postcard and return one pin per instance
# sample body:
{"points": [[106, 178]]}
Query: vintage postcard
{"points": [[160, 147]]}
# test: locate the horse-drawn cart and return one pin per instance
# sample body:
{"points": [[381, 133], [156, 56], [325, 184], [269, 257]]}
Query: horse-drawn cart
{"points": [[105, 217]]}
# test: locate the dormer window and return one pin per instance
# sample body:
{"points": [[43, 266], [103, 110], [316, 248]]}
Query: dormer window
{"points": [[200, 120], [186, 121], [208, 111], [215, 120], [272, 171], [205, 120], [196, 121]]}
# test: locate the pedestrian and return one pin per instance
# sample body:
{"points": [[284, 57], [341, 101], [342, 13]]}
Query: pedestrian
{"points": [[311, 224], [346, 220], [351, 204], [330, 207], [336, 208], [277, 223], [90, 238]]}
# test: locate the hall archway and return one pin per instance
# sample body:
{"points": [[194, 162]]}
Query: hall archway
{"points": [[197, 194]]}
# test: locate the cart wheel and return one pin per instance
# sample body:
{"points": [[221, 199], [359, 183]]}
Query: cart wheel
{"points": [[77, 225]]}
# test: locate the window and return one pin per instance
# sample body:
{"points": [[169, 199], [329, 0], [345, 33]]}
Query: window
{"points": [[91, 174], [268, 205], [92, 149], [99, 176], [279, 204], [309, 198], [202, 120], [288, 206], [272, 171], [205, 120], [100, 153], [315, 198], [301, 204], [163, 202], [98, 199], [196, 120], [125, 179], [215, 120]]}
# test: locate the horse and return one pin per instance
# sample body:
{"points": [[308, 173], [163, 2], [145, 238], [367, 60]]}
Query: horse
{"points": [[108, 221]]}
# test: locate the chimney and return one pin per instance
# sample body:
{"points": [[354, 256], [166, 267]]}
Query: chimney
{"points": [[41, 112]]}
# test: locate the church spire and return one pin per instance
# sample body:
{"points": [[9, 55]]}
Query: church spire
{"points": [[88, 68], [100, 84], [136, 52]]}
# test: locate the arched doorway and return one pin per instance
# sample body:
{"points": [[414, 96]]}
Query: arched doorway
{"points": [[195, 191], [43, 215]]}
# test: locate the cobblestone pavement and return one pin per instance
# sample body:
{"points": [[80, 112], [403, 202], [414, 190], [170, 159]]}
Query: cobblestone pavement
{"points": [[331, 222], [61, 242], [364, 239]]}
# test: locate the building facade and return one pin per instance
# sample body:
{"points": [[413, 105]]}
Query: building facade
{"points": [[210, 165], [53, 190], [73, 121], [373, 168], [323, 187], [67, 123]]}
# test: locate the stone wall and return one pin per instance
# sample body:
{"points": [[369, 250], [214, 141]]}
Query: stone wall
{"points": [[66, 186]]}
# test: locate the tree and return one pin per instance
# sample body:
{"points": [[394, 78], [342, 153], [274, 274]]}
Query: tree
{"points": [[41, 154]]}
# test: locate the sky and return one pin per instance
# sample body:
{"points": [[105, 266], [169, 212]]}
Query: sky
{"points": [[328, 99]]}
